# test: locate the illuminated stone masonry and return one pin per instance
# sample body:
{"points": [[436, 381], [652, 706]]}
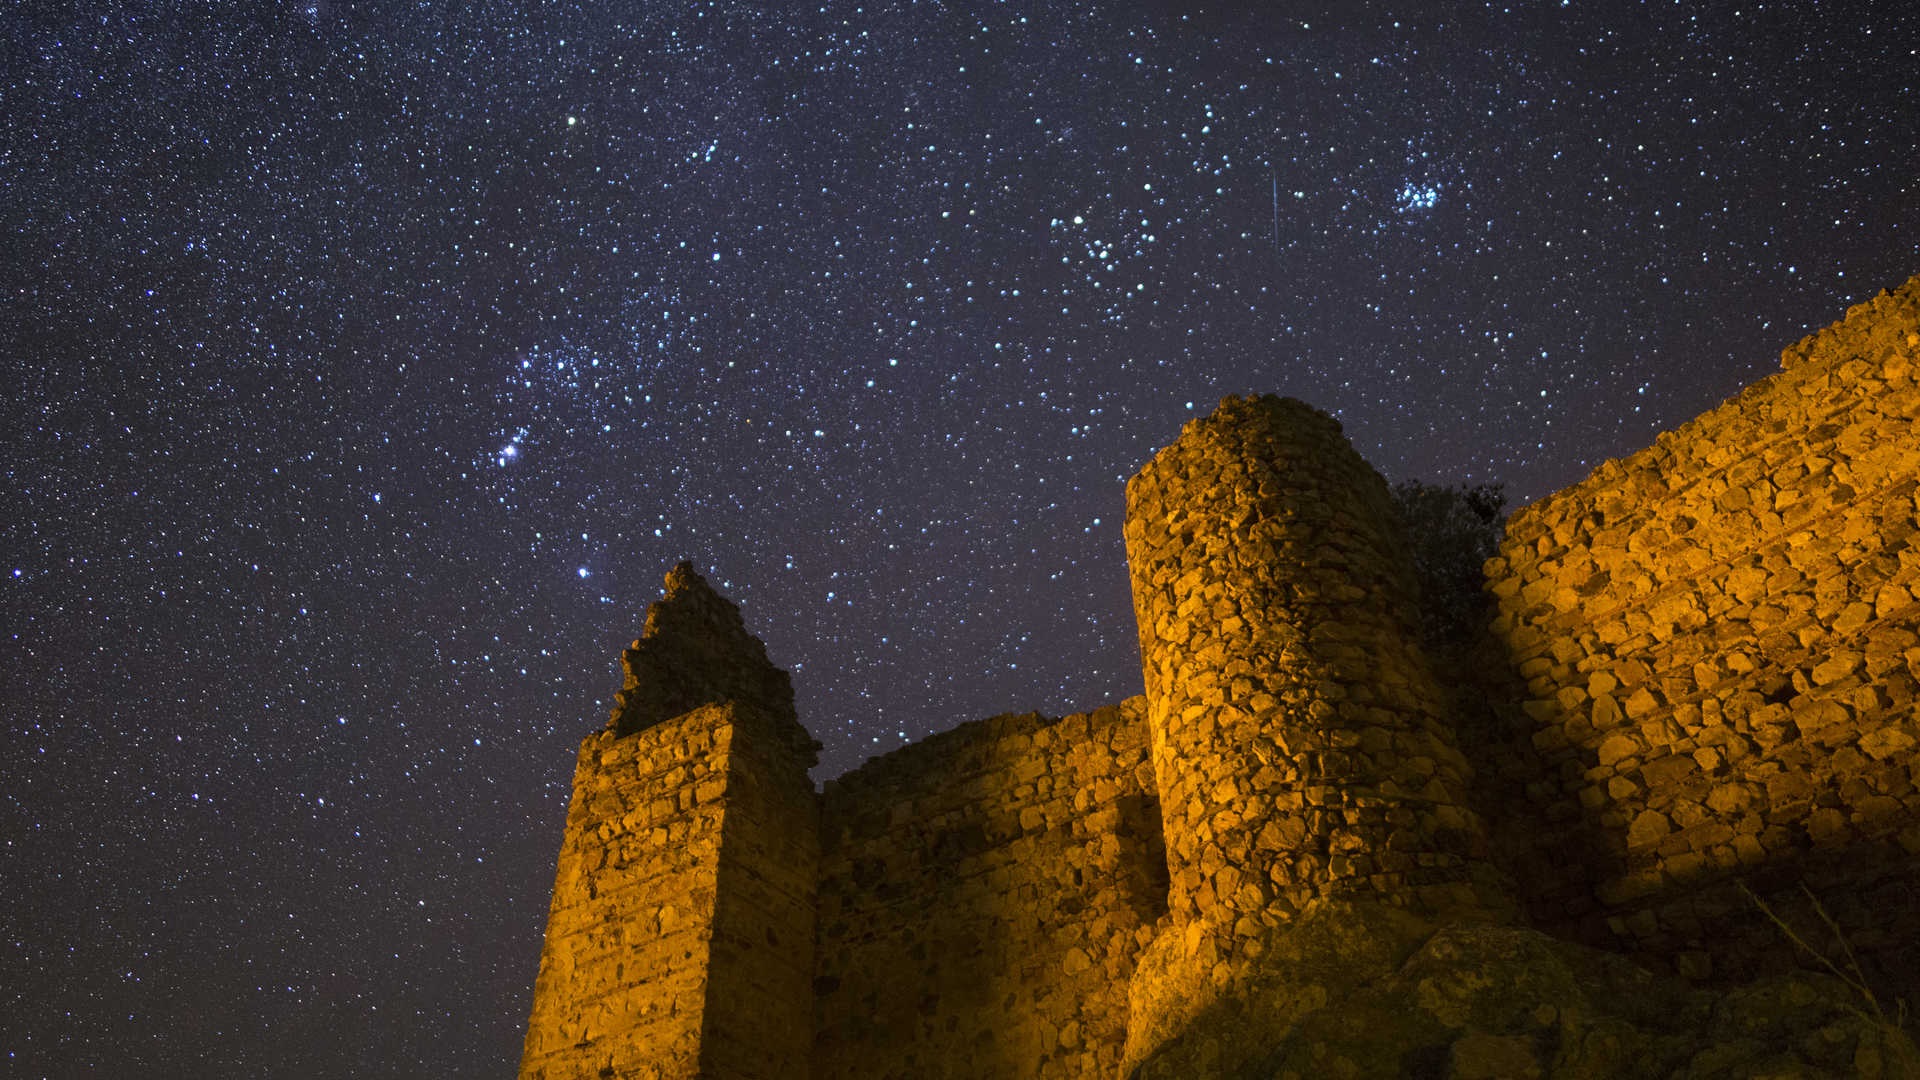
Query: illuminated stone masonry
{"points": [[1299, 737], [680, 938], [985, 895], [1304, 852], [1719, 638]]}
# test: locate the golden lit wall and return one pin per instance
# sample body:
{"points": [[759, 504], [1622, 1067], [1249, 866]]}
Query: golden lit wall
{"points": [[1719, 640], [1299, 737], [1717, 648], [623, 976], [1301, 745], [983, 897], [680, 940]]}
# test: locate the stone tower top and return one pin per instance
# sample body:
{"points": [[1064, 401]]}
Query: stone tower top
{"points": [[695, 651]]}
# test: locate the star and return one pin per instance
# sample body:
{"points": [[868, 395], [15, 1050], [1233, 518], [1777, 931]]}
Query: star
{"points": [[337, 330]]}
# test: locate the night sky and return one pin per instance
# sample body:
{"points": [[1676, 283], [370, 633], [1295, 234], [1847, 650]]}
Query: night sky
{"points": [[366, 367]]}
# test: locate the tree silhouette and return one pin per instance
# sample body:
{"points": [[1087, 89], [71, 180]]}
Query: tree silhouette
{"points": [[1453, 530]]}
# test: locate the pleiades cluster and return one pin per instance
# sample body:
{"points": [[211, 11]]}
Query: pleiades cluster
{"points": [[367, 365]]}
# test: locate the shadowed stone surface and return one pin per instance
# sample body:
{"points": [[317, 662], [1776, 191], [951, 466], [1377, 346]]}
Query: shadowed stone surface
{"points": [[694, 651], [1362, 990]]}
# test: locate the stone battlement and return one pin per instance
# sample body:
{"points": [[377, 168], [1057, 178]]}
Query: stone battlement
{"points": [[1699, 687]]}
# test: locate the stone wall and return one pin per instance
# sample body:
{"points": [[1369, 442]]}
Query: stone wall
{"points": [[1714, 651], [759, 1013], [983, 897], [1720, 644], [1299, 737], [680, 939], [623, 975]]}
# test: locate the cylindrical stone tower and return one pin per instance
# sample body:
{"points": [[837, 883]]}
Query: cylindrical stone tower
{"points": [[1299, 738]]}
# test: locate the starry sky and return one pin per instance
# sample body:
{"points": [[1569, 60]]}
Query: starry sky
{"points": [[367, 365]]}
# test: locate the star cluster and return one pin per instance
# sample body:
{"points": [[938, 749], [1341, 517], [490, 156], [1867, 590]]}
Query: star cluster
{"points": [[368, 364]]}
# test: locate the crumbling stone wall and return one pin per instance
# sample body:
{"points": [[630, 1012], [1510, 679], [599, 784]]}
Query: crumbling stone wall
{"points": [[1299, 738], [1299, 735], [1715, 650], [623, 976], [983, 897], [694, 650], [759, 1012], [1720, 643], [680, 938]]}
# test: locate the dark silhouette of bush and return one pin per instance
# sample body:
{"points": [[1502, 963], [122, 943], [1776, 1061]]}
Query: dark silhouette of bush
{"points": [[1453, 530]]}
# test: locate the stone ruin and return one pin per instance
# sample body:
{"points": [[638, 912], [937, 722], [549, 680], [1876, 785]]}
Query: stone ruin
{"points": [[1578, 845]]}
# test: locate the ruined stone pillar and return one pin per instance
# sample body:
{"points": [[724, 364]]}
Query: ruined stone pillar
{"points": [[680, 939], [1299, 739]]}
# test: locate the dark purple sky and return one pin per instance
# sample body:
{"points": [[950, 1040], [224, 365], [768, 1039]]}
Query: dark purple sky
{"points": [[367, 366]]}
